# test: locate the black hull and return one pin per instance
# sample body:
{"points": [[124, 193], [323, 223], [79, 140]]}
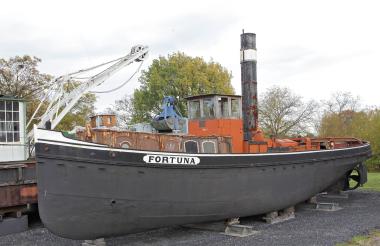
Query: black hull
{"points": [[92, 192]]}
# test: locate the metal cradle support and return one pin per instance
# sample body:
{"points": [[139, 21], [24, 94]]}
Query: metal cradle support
{"points": [[96, 242], [280, 216]]}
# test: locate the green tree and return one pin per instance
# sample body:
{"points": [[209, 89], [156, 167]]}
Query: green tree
{"points": [[373, 132], [364, 124], [19, 77], [342, 117], [180, 76]]}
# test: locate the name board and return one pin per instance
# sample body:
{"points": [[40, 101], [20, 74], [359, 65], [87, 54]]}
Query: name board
{"points": [[171, 159]]}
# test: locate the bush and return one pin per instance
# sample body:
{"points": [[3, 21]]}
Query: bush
{"points": [[373, 164]]}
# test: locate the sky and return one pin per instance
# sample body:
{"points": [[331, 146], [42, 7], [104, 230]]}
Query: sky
{"points": [[315, 48]]}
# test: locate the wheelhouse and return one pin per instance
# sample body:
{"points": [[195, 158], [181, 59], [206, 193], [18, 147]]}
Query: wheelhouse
{"points": [[216, 115], [214, 106]]}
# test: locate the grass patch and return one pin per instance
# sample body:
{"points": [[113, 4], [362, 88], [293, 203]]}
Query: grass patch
{"points": [[373, 182], [373, 164], [372, 239]]}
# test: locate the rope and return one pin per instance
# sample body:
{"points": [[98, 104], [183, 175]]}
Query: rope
{"points": [[94, 67], [122, 85]]}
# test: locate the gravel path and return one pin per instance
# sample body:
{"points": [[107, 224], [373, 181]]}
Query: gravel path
{"points": [[360, 214]]}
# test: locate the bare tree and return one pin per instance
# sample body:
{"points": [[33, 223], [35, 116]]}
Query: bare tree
{"points": [[283, 113], [123, 110], [341, 101]]}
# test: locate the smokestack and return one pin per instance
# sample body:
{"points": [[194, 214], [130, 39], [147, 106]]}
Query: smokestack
{"points": [[248, 60]]}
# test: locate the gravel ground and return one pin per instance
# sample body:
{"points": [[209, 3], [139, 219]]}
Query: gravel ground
{"points": [[360, 214]]}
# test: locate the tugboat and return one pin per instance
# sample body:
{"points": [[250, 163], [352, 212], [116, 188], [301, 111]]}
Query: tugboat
{"points": [[113, 182]]}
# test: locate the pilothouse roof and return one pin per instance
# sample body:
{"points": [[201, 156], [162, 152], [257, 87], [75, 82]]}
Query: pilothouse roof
{"points": [[211, 95]]}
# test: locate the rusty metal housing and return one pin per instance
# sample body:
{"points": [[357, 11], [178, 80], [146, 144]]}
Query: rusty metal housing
{"points": [[156, 141]]}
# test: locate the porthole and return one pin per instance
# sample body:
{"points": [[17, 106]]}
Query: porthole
{"points": [[125, 145]]}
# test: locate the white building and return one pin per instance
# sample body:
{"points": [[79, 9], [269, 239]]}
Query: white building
{"points": [[13, 144]]}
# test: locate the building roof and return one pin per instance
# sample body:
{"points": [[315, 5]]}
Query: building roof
{"points": [[96, 115], [11, 98], [211, 95]]}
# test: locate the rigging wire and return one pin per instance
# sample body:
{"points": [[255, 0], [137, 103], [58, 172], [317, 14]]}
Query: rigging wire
{"points": [[45, 97], [123, 84], [54, 84], [94, 67]]}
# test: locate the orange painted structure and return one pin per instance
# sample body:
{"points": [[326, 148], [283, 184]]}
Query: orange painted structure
{"points": [[217, 115], [232, 128], [220, 115]]}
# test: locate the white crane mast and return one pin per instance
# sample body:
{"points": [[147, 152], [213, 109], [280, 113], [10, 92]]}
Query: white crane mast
{"points": [[61, 102]]}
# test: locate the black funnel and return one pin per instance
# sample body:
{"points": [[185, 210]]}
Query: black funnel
{"points": [[248, 61]]}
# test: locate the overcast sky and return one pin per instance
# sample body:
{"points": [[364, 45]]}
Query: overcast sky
{"points": [[313, 47]]}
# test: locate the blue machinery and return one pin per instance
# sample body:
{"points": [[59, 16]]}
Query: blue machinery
{"points": [[170, 119]]}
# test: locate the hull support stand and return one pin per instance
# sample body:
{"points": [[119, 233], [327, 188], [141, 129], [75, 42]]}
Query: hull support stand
{"points": [[280, 216], [237, 230], [335, 195], [96, 242], [327, 206], [232, 221], [312, 200], [229, 227]]}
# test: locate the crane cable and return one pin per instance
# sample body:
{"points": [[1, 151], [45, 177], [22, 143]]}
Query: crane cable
{"points": [[94, 67], [123, 84]]}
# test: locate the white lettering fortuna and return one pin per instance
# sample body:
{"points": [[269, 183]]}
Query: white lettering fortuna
{"points": [[171, 159]]}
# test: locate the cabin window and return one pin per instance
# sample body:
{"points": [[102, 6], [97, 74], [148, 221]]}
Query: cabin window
{"points": [[99, 121], [208, 147], [191, 146], [172, 146], [125, 145], [195, 109], [224, 147], [208, 108], [223, 106], [235, 109], [9, 122]]}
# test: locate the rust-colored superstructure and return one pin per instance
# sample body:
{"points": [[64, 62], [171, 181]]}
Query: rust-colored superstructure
{"points": [[125, 139], [103, 120]]}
